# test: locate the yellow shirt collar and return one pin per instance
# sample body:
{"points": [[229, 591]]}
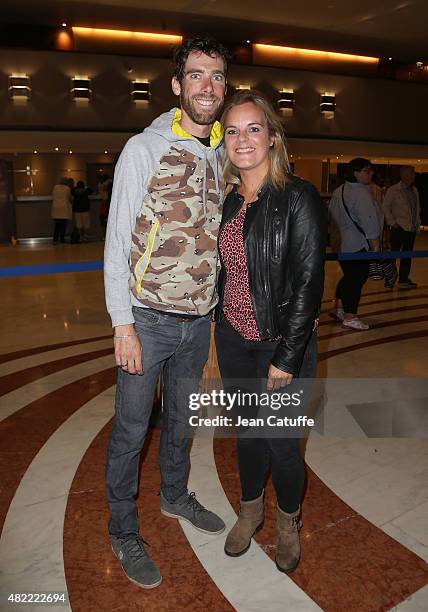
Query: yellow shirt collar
{"points": [[216, 130]]}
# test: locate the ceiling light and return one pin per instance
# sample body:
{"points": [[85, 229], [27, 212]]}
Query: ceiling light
{"points": [[35, 151], [105, 152], [70, 151], [313, 54], [64, 25], [56, 148], [126, 35]]}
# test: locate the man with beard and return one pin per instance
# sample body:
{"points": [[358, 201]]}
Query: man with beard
{"points": [[160, 271]]}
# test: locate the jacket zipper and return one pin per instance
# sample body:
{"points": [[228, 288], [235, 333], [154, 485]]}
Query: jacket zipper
{"points": [[276, 230], [266, 278]]}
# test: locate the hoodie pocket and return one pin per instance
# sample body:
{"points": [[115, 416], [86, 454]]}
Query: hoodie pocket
{"points": [[141, 265]]}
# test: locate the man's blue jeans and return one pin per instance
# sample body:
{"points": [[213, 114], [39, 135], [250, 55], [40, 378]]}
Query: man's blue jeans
{"points": [[181, 350]]}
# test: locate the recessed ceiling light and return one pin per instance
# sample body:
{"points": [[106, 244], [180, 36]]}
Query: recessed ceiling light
{"points": [[56, 148]]}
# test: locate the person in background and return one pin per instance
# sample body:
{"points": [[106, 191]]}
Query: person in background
{"points": [[377, 196], [375, 190], [272, 247], [81, 206], [403, 214], [104, 189], [356, 226], [61, 210]]}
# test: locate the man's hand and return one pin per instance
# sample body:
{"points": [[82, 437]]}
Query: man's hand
{"points": [[278, 378], [127, 349]]}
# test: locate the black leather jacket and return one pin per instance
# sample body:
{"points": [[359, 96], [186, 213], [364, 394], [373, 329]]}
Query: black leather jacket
{"points": [[284, 239]]}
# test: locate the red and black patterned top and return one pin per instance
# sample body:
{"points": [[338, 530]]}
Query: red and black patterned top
{"points": [[237, 304]]}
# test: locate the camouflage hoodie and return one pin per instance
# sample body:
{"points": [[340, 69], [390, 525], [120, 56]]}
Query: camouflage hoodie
{"points": [[161, 243]]}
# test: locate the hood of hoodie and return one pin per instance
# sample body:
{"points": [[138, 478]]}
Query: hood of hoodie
{"points": [[168, 126]]}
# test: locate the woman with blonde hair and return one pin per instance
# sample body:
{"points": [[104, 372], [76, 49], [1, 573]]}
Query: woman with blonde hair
{"points": [[272, 243]]}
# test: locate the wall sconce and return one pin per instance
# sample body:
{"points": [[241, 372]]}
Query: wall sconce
{"points": [[140, 91], [19, 87], [286, 100], [81, 88], [328, 104]]}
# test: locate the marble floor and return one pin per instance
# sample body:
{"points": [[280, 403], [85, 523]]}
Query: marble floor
{"points": [[365, 510]]}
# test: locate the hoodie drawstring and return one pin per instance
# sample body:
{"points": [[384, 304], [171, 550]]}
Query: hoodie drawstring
{"points": [[204, 188]]}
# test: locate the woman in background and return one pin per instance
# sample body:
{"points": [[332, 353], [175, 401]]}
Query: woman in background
{"points": [[356, 223]]}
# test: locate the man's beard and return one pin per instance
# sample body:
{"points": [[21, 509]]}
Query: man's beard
{"points": [[204, 117]]}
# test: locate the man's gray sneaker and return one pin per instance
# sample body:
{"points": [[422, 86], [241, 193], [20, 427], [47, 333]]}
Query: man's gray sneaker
{"points": [[188, 508], [135, 561]]}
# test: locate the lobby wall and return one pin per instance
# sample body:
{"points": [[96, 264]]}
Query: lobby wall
{"points": [[366, 108]]}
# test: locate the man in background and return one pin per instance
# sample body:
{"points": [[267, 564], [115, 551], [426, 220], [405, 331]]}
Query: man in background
{"points": [[402, 212]]}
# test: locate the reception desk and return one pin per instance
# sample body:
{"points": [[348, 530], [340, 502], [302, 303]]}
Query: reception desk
{"points": [[33, 217]]}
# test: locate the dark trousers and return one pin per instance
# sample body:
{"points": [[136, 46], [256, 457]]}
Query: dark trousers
{"points": [[403, 241], [245, 359], [59, 229], [180, 349], [355, 274]]}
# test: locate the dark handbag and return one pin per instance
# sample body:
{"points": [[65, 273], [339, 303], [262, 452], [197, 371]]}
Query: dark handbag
{"points": [[390, 271], [376, 270]]}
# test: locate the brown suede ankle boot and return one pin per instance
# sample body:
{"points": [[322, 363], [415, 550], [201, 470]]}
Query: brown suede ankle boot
{"points": [[250, 520], [288, 543]]}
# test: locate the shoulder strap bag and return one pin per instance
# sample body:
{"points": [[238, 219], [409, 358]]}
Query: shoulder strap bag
{"points": [[376, 269]]}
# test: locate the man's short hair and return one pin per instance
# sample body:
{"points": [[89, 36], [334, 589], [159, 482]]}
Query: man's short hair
{"points": [[203, 44], [407, 168]]}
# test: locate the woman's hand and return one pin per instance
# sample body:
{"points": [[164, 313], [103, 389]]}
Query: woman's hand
{"points": [[278, 378], [375, 245]]}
